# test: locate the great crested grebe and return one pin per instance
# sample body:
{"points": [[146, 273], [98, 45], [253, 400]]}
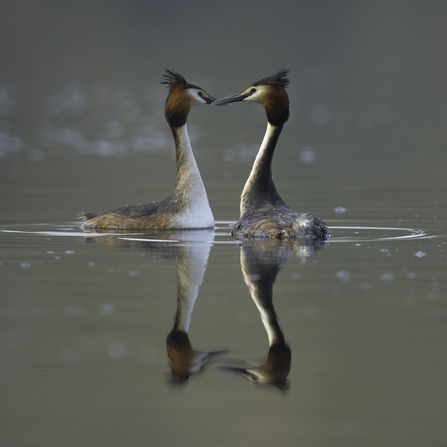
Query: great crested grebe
{"points": [[188, 206], [263, 212]]}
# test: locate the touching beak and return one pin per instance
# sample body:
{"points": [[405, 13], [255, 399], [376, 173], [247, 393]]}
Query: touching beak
{"points": [[229, 99], [210, 99]]}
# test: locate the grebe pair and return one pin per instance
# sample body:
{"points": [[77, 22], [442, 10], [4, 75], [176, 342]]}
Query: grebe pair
{"points": [[263, 212]]}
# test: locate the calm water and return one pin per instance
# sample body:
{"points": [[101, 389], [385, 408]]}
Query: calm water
{"points": [[85, 322], [191, 338]]}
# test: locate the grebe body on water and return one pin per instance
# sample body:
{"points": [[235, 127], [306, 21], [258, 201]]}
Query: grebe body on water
{"points": [[188, 206], [263, 212]]}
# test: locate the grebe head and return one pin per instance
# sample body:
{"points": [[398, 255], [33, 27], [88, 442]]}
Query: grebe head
{"points": [[270, 92], [182, 96]]}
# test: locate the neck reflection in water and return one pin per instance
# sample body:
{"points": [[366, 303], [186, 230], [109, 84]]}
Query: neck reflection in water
{"points": [[261, 261]]}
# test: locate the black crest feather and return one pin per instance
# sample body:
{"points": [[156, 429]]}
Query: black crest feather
{"points": [[280, 78], [173, 79]]}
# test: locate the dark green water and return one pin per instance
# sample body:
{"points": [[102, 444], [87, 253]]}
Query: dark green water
{"points": [[85, 320]]}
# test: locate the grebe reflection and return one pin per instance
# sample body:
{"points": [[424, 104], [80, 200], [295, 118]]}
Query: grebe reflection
{"points": [[260, 264], [261, 260], [184, 360], [190, 250]]}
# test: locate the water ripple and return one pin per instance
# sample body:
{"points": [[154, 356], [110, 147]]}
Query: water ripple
{"points": [[220, 235]]}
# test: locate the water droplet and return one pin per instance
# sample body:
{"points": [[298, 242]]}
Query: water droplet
{"points": [[384, 250], [340, 209], [387, 277], [411, 275], [50, 252], [358, 245], [343, 275], [69, 252], [25, 265], [133, 273], [420, 254], [308, 155]]}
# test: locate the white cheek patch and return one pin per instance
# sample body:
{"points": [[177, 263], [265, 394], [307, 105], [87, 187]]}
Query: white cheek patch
{"points": [[195, 98], [258, 96]]}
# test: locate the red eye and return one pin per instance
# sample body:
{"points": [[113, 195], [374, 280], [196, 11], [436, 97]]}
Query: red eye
{"points": [[252, 90], [200, 93]]}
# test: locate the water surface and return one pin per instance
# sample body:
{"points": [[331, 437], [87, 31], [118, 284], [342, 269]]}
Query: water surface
{"points": [[88, 330]]}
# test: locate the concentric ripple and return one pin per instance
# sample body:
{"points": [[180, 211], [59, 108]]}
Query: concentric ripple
{"points": [[220, 235]]}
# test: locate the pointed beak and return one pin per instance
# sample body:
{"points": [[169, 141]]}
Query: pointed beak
{"points": [[209, 99], [229, 99]]}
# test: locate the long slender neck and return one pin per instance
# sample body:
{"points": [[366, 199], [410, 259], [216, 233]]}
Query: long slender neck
{"points": [[259, 188], [188, 179]]}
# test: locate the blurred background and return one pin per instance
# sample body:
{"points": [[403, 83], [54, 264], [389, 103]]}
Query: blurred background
{"points": [[81, 107], [84, 320]]}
